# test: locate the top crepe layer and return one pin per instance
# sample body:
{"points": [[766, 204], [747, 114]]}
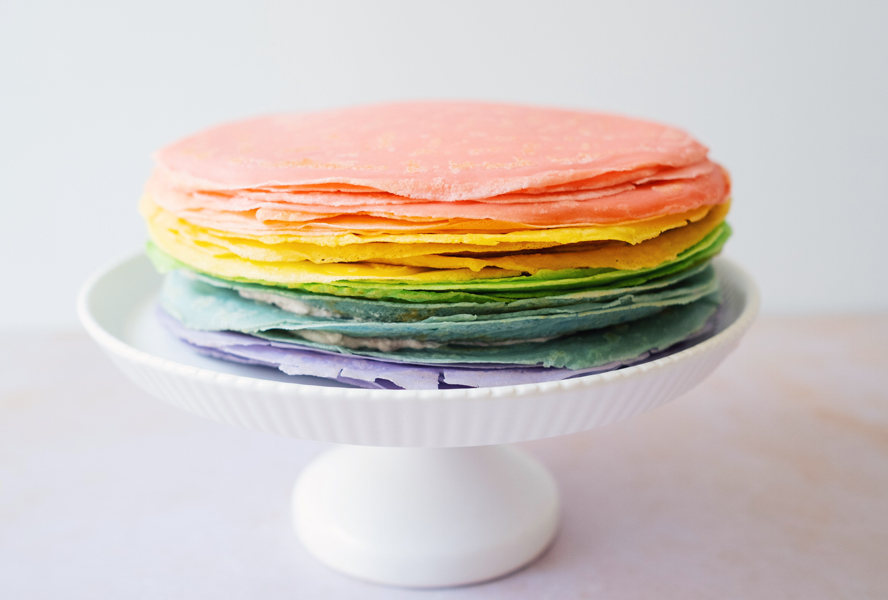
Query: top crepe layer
{"points": [[439, 151]]}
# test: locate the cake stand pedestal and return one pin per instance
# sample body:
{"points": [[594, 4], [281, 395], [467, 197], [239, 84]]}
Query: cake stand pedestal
{"points": [[425, 516], [423, 493]]}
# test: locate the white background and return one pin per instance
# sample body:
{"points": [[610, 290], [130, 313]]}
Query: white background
{"points": [[791, 96]]}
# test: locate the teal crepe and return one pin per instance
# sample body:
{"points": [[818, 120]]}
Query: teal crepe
{"points": [[387, 311], [198, 305], [210, 308], [543, 283], [623, 342]]}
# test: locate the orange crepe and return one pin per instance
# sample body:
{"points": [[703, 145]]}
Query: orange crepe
{"points": [[439, 151]]}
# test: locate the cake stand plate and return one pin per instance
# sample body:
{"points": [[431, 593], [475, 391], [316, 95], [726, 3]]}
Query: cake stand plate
{"points": [[423, 493]]}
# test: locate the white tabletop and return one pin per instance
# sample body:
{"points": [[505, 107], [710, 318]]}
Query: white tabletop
{"points": [[768, 481]]}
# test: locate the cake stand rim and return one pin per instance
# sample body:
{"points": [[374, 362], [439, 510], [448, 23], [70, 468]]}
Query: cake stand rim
{"points": [[115, 345]]}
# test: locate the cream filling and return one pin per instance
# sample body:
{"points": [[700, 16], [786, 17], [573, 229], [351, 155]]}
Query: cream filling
{"points": [[337, 339], [392, 344], [381, 344], [284, 303]]}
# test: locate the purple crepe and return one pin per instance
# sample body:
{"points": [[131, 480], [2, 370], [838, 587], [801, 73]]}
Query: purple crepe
{"points": [[380, 374]]}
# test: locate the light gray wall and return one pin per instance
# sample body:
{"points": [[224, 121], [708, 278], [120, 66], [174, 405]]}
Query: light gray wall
{"points": [[791, 96]]}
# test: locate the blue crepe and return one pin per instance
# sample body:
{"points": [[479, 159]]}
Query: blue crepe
{"points": [[378, 374], [199, 305], [581, 350]]}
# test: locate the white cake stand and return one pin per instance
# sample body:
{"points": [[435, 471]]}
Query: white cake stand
{"points": [[423, 493]]}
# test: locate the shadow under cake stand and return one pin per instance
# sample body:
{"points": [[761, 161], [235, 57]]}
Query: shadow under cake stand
{"points": [[423, 492]]}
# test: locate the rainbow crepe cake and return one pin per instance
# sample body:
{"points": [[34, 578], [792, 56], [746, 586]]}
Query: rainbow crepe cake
{"points": [[438, 245]]}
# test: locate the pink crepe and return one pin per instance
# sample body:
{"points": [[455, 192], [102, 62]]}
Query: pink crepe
{"points": [[440, 151], [632, 204], [257, 212]]}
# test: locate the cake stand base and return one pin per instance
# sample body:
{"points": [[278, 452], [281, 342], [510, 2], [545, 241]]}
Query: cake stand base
{"points": [[425, 517]]}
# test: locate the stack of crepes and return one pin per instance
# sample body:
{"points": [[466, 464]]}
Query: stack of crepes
{"points": [[437, 245]]}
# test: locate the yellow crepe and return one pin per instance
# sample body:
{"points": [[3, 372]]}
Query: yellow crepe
{"points": [[393, 247], [220, 260]]}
